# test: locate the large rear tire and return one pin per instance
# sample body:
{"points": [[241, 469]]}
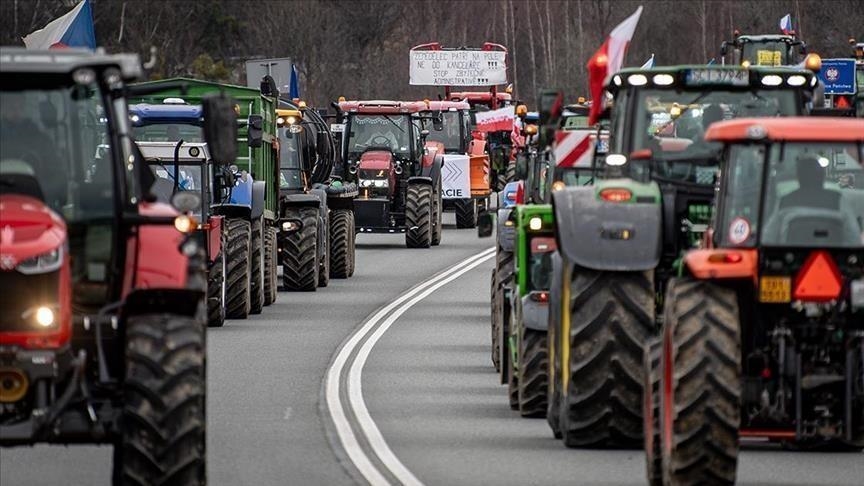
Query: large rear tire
{"points": [[700, 408], [216, 291], [164, 423], [651, 411], [353, 252], [611, 319], [324, 262], [271, 279], [257, 264], [341, 247], [533, 373], [495, 318], [437, 215], [300, 264], [553, 346], [418, 216], [466, 213], [237, 269]]}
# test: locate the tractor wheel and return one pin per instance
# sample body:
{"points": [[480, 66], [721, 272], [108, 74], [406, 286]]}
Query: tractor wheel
{"points": [[495, 318], [216, 291], [553, 347], [611, 319], [437, 216], [651, 411], [533, 374], [418, 216], [237, 305], [164, 423], [271, 279], [324, 270], [512, 378], [353, 242], [257, 265], [300, 260], [501, 180], [510, 173], [700, 405], [466, 213], [341, 229]]}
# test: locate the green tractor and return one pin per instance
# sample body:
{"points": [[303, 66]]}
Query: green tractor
{"points": [[621, 238]]}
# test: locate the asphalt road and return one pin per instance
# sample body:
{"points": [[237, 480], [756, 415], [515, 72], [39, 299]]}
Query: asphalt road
{"points": [[428, 383]]}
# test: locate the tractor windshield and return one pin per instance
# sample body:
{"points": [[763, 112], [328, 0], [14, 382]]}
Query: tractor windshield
{"points": [[540, 263], [813, 195], [172, 178], [155, 131], [387, 132], [55, 146], [289, 159], [766, 53], [575, 176], [451, 135], [574, 122]]}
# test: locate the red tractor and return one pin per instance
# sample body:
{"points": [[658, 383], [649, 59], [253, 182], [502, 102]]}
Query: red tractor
{"points": [[501, 145], [102, 327], [399, 181], [763, 334]]}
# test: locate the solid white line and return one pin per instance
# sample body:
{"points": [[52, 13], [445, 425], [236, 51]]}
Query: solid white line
{"points": [[334, 404]]}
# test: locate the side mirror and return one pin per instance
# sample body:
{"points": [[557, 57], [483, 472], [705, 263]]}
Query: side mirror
{"points": [[220, 127], [723, 48], [256, 131], [186, 201], [485, 224], [521, 171]]}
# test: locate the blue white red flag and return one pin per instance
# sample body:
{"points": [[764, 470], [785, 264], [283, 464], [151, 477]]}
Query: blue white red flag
{"points": [[786, 24], [75, 29], [649, 63]]}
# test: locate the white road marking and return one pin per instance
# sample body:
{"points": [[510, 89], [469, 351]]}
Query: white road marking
{"points": [[354, 382]]}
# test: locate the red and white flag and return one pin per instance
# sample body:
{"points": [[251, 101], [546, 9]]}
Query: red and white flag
{"points": [[608, 60], [499, 120]]}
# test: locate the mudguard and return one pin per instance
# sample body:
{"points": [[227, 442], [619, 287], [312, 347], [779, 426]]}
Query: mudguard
{"points": [[430, 174], [300, 200], [603, 235], [241, 193], [553, 317], [258, 192], [512, 186], [506, 234], [535, 315]]}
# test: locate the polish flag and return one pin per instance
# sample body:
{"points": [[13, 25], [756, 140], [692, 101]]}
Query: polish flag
{"points": [[75, 29], [500, 120], [608, 60]]}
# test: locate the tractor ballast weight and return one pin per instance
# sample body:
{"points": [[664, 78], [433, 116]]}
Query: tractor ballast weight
{"points": [[602, 235]]}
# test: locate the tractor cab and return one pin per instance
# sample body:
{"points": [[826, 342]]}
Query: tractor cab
{"points": [[499, 142], [383, 148], [763, 50], [578, 148]]}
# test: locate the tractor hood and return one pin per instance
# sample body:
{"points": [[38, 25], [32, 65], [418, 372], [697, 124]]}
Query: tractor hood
{"points": [[29, 228], [376, 160]]}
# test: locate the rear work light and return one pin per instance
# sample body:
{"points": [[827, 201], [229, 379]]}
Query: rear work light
{"points": [[616, 195], [541, 297], [819, 279]]}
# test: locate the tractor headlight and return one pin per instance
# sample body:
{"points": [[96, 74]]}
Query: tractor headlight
{"points": [[44, 263], [535, 223], [44, 316]]}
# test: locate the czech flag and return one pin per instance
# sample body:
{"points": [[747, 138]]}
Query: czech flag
{"points": [[75, 29], [786, 24], [608, 60]]}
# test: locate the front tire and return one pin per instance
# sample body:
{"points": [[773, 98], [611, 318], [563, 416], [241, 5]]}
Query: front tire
{"points": [[437, 216], [164, 423], [257, 263], [612, 317], [701, 363], [533, 373], [651, 412], [324, 240], [300, 264], [341, 247], [216, 292], [418, 216], [271, 278], [466, 213], [237, 269]]}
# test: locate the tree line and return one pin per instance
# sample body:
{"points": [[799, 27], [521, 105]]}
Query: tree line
{"points": [[359, 48]]}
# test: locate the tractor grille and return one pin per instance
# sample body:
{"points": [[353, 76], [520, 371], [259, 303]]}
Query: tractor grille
{"points": [[21, 292]]}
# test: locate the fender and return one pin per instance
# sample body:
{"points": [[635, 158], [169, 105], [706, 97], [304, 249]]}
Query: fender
{"points": [[241, 193], [299, 200], [723, 263], [535, 315], [258, 191], [181, 301], [431, 171], [214, 236], [158, 260], [506, 230], [606, 236], [233, 211]]}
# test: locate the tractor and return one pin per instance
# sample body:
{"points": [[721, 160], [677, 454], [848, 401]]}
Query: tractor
{"points": [[322, 245], [170, 137], [465, 182], [621, 238], [763, 50], [763, 329], [103, 322], [251, 214], [399, 182]]}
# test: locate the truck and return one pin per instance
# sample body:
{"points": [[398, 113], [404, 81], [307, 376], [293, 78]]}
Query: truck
{"points": [[103, 323], [251, 219], [399, 182], [311, 198], [621, 238]]}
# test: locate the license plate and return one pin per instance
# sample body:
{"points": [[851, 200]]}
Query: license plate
{"points": [[337, 127], [732, 77], [775, 289]]}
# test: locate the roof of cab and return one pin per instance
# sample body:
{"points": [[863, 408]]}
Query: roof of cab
{"points": [[435, 105], [382, 106], [166, 111], [797, 129], [21, 60], [479, 96]]}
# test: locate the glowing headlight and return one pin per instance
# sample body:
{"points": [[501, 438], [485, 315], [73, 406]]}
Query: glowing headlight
{"points": [[381, 183], [44, 316], [772, 80], [44, 263], [616, 160], [617, 80], [796, 80], [558, 185], [663, 79], [823, 162], [535, 223], [185, 224], [290, 226], [637, 79]]}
